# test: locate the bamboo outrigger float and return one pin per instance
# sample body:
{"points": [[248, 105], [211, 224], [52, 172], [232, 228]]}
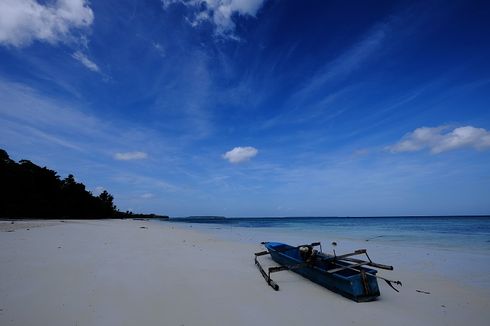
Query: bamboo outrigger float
{"points": [[342, 274]]}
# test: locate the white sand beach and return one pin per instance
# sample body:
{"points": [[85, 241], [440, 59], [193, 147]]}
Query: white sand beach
{"points": [[126, 272]]}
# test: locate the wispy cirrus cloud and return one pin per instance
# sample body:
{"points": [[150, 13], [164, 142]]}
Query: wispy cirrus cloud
{"points": [[84, 60], [240, 154], [130, 156], [195, 109], [159, 48], [219, 13], [347, 62], [316, 94], [147, 195], [32, 118], [442, 139], [24, 107], [142, 181], [25, 21]]}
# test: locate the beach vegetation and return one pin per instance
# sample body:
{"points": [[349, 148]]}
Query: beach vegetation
{"points": [[30, 191]]}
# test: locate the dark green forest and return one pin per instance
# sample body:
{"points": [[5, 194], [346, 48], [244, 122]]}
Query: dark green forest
{"points": [[30, 191]]}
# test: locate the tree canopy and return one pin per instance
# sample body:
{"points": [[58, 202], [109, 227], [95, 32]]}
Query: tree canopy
{"points": [[30, 191]]}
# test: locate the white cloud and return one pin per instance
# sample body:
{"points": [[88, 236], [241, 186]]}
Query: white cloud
{"points": [[218, 12], [361, 152], [159, 48], [86, 61], [440, 139], [24, 21], [147, 195], [128, 156], [240, 154]]}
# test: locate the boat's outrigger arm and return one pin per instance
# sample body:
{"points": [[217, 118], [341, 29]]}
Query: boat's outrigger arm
{"points": [[267, 275]]}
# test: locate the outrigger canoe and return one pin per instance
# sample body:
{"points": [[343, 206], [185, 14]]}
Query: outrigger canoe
{"points": [[341, 274]]}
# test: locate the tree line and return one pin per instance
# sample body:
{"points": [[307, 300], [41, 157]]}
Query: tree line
{"points": [[30, 191]]}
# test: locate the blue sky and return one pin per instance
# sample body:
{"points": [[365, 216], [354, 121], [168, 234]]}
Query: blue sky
{"points": [[254, 108]]}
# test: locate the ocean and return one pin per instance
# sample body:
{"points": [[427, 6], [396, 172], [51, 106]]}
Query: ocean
{"points": [[453, 232]]}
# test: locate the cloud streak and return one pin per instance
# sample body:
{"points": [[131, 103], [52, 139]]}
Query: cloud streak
{"points": [[89, 64], [440, 139], [33, 118], [240, 154], [348, 61], [25, 21], [310, 98], [130, 156]]}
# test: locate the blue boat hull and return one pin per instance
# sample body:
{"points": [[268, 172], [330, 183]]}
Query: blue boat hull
{"points": [[348, 283]]}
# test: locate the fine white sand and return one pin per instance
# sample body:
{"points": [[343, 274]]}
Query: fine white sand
{"points": [[118, 273]]}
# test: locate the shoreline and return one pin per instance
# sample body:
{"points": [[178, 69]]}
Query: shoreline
{"points": [[455, 264], [126, 272]]}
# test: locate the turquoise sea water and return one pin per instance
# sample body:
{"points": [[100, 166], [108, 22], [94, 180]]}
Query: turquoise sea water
{"points": [[455, 232]]}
